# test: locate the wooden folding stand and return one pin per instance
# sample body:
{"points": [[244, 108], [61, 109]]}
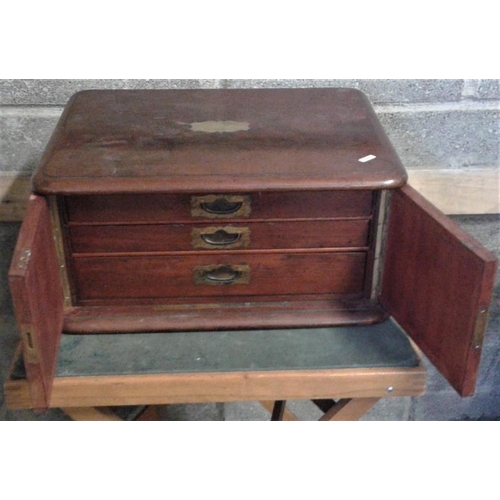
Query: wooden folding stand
{"points": [[352, 366]]}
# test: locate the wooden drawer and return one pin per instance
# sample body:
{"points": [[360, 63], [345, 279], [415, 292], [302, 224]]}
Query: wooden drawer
{"points": [[207, 236], [127, 208], [127, 277]]}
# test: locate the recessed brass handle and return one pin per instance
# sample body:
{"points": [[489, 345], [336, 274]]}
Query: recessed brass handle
{"points": [[227, 237], [220, 238], [213, 206], [221, 206], [224, 275], [221, 274]]}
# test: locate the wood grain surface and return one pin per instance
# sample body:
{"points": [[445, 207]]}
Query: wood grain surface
{"points": [[164, 207], [224, 139], [269, 312], [222, 387], [173, 276], [185, 237], [437, 284], [38, 298]]}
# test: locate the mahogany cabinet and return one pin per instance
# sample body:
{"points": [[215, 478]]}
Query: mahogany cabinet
{"points": [[172, 210]]}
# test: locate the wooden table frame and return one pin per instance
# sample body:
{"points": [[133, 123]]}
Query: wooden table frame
{"points": [[355, 390]]}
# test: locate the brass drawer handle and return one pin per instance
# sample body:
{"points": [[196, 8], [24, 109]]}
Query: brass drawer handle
{"points": [[229, 237], [224, 275], [221, 206], [220, 238], [221, 274], [214, 206]]}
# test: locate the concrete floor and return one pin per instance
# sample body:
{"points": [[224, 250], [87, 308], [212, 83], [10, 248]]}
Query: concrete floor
{"points": [[439, 403]]}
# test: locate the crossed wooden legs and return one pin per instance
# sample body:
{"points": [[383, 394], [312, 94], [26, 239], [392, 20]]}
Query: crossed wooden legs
{"points": [[343, 409], [104, 413]]}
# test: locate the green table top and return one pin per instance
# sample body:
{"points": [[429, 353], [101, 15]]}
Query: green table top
{"points": [[380, 345]]}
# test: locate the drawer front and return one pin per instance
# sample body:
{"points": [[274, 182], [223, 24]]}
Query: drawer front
{"points": [[252, 235], [219, 275], [128, 208]]}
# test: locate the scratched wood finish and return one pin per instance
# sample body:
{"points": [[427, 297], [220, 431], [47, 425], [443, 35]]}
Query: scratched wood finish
{"points": [[38, 298], [224, 139], [229, 301], [179, 237], [437, 280], [172, 276], [164, 207], [243, 313]]}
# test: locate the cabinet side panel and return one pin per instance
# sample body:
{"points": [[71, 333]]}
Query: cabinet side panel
{"points": [[437, 283], [38, 299]]}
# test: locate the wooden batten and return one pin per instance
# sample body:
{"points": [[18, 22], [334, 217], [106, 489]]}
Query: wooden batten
{"points": [[223, 387], [455, 192], [14, 194]]}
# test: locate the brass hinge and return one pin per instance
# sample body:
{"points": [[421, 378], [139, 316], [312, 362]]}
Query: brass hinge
{"points": [[24, 259], [59, 245], [30, 351], [480, 328], [381, 229]]}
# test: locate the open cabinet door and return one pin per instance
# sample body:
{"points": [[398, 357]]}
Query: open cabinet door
{"points": [[437, 284], [37, 295]]}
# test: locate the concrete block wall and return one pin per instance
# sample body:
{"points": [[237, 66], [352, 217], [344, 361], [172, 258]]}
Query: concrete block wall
{"points": [[433, 124]]}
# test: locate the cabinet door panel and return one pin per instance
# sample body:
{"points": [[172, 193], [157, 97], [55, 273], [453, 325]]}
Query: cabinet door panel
{"points": [[37, 295], [437, 283]]}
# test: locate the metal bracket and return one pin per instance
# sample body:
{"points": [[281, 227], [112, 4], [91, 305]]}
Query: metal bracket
{"points": [[480, 328], [30, 350]]}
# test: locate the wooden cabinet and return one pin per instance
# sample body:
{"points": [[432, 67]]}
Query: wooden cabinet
{"points": [[238, 209]]}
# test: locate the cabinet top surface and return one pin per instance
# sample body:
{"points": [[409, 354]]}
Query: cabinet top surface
{"points": [[110, 141]]}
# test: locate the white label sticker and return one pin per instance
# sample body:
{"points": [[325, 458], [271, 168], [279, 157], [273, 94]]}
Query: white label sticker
{"points": [[367, 158], [214, 127]]}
